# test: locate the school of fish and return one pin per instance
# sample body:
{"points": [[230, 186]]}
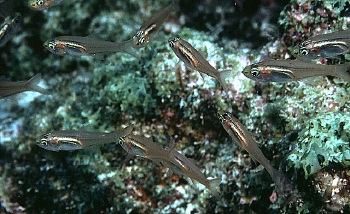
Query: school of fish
{"points": [[330, 46]]}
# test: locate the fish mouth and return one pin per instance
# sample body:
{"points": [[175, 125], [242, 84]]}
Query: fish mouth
{"points": [[138, 39], [295, 51], [221, 118], [246, 71], [172, 41], [38, 143], [224, 117]]}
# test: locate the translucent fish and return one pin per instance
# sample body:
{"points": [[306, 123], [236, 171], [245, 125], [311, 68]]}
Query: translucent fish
{"points": [[8, 88], [292, 70], [193, 59], [87, 46], [241, 136], [175, 161], [324, 46], [150, 29], [69, 140], [39, 5], [9, 27]]}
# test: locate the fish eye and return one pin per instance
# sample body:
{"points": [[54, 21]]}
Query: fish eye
{"points": [[227, 116], [121, 141], [40, 2], [51, 46], [304, 52], [171, 43], [255, 72], [44, 142], [16, 20]]}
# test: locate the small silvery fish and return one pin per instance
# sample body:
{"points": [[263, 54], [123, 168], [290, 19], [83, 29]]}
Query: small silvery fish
{"points": [[150, 29], [193, 59], [8, 28], [241, 136], [85, 46], [39, 5], [175, 161], [68, 140], [292, 70], [8, 88], [324, 46]]}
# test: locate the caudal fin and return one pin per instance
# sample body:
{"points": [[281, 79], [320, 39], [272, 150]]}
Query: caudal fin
{"points": [[222, 78], [122, 133], [213, 184], [127, 47], [33, 85], [284, 187]]}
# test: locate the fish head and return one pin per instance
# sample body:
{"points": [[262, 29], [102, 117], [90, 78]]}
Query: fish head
{"points": [[54, 47], [253, 72], [10, 26], [125, 145], [38, 5], [47, 142], [299, 51], [139, 39], [306, 51], [145, 35], [261, 72], [174, 42], [225, 120], [224, 117]]}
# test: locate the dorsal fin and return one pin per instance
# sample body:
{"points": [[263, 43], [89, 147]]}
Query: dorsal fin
{"points": [[94, 36]]}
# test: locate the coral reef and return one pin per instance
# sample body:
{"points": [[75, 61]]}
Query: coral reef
{"points": [[323, 140], [296, 124]]}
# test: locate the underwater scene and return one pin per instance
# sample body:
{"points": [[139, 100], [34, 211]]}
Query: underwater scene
{"points": [[183, 106]]}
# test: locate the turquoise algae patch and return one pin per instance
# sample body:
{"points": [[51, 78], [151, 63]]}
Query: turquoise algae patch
{"points": [[324, 139]]}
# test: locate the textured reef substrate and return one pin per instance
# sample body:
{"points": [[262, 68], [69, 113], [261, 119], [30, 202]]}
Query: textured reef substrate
{"points": [[301, 127]]}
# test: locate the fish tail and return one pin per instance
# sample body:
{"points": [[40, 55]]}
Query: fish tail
{"points": [[33, 85], [344, 73], [283, 185], [213, 184], [127, 47], [122, 133], [222, 78]]}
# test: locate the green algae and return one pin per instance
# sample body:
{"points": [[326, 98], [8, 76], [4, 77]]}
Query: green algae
{"points": [[324, 139]]}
